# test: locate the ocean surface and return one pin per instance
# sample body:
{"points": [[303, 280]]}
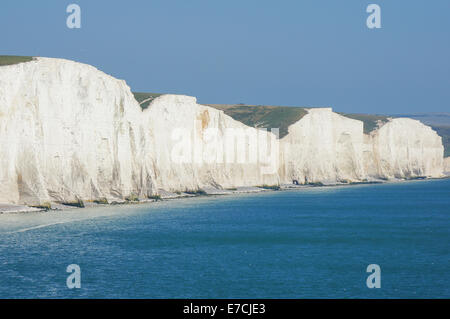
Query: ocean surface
{"points": [[310, 243]]}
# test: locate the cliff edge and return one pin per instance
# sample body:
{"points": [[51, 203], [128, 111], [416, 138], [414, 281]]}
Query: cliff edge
{"points": [[447, 165], [69, 132]]}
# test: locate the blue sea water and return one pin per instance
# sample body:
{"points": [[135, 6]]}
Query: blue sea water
{"points": [[310, 243]]}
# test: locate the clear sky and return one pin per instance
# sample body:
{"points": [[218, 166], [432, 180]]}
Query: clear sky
{"points": [[300, 53]]}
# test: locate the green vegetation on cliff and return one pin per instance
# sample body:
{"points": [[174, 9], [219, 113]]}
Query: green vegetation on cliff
{"points": [[263, 115], [144, 99], [370, 121], [282, 117], [13, 59]]}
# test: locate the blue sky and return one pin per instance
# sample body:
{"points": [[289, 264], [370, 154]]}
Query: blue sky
{"points": [[300, 53]]}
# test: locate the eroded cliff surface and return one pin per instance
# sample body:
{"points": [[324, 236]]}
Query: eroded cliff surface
{"points": [[69, 131], [196, 146], [325, 147], [447, 165], [406, 148], [322, 147]]}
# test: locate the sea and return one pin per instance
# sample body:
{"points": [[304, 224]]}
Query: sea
{"points": [[317, 242]]}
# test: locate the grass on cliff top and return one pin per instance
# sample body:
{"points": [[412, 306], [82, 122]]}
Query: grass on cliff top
{"points": [[264, 116], [13, 59], [283, 116], [144, 99], [370, 121], [252, 115]]}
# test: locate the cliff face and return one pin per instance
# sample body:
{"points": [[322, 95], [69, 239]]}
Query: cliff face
{"points": [[328, 148], [69, 131], [447, 165], [405, 148], [196, 146], [322, 147]]}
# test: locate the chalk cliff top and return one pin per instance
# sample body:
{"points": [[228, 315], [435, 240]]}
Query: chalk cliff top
{"points": [[71, 133], [251, 115]]}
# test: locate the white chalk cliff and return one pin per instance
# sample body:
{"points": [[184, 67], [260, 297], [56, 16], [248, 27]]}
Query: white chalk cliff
{"points": [[68, 131], [179, 126], [405, 148], [325, 147], [447, 165]]}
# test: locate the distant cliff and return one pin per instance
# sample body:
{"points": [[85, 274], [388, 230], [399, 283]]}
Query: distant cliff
{"points": [[447, 165], [325, 147], [69, 132]]}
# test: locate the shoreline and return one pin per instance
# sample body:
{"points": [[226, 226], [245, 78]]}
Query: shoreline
{"points": [[6, 209]]}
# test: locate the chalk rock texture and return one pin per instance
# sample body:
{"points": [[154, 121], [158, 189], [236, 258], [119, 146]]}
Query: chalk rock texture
{"points": [[69, 131], [325, 147], [447, 165], [195, 146], [406, 148]]}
